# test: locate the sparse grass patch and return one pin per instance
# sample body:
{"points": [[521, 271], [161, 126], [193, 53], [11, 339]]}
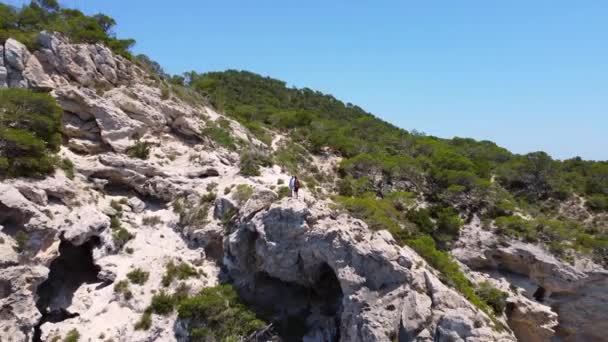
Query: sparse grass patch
{"points": [[68, 167], [180, 271], [122, 288], [243, 193], [121, 236], [284, 191], [162, 304], [21, 238], [116, 205], [220, 135], [145, 322], [208, 197], [140, 150], [494, 297], [251, 160], [115, 223], [151, 220], [72, 336], [138, 276], [211, 186]]}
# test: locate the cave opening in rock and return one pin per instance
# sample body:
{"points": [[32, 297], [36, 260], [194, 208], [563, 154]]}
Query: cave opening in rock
{"points": [[539, 294], [11, 220], [72, 268], [298, 311]]}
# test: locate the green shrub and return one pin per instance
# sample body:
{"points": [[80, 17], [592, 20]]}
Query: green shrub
{"points": [[25, 22], [140, 150], [516, 226], [180, 271], [597, 202], [208, 197], [450, 272], [121, 236], [122, 288], [422, 219], [251, 161], [72, 336], [284, 191], [217, 314], [378, 214], [68, 167], [145, 322], [220, 135], [21, 238], [494, 297], [138, 276], [151, 220], [162, 304], [243, 193], [194, 215], [116, 205], [115, 223], [30, 133], [448, 226], [292, 158]]}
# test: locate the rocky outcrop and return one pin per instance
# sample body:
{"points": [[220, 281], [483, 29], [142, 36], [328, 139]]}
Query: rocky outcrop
{"points": [[298, 261], [554, 294], [290, 244]]}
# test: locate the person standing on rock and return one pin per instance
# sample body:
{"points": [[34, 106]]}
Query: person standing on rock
{"points": [[296, 186], [292, 182]]}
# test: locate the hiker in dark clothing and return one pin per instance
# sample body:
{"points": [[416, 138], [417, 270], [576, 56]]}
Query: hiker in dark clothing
{"points": [[294, 185]]}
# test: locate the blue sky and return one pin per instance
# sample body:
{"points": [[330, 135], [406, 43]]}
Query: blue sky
{"points": [[529, 75]]}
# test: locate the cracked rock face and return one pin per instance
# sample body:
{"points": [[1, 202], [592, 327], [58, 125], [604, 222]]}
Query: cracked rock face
{"points": [[379, 281], [554, 300]]}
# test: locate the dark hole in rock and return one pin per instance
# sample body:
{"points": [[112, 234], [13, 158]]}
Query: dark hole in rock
{"points": [[72, 268], [297, 311], [5, 288], [12, 220], [391, 307], [539, 294], [214, 250]]}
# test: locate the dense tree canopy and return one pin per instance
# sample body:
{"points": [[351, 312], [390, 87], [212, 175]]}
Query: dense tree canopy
{"points": [[30, 133]]}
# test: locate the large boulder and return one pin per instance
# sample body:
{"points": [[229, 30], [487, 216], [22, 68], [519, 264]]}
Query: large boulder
{"points": [[23, 69], [374, 281]]}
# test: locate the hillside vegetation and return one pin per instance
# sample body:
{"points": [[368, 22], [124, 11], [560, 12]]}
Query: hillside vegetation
{"points": [[420, 188], [23, 24], [382, 163]]}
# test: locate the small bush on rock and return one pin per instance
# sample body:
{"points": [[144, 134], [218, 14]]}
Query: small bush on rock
{"points": [[243, 193], [145, 322], [140, 150], [138, 276], [72, 336], [284, 192], [162, 304], [495, 298], [21, 238], [122, 288], [68, 167], [151, 220], [180, 271], [251, 161], [216, 314], [220, 135]]}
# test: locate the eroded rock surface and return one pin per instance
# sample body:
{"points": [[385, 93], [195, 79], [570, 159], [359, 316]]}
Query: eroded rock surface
{"points": [[555, 300], [327, 273]]}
